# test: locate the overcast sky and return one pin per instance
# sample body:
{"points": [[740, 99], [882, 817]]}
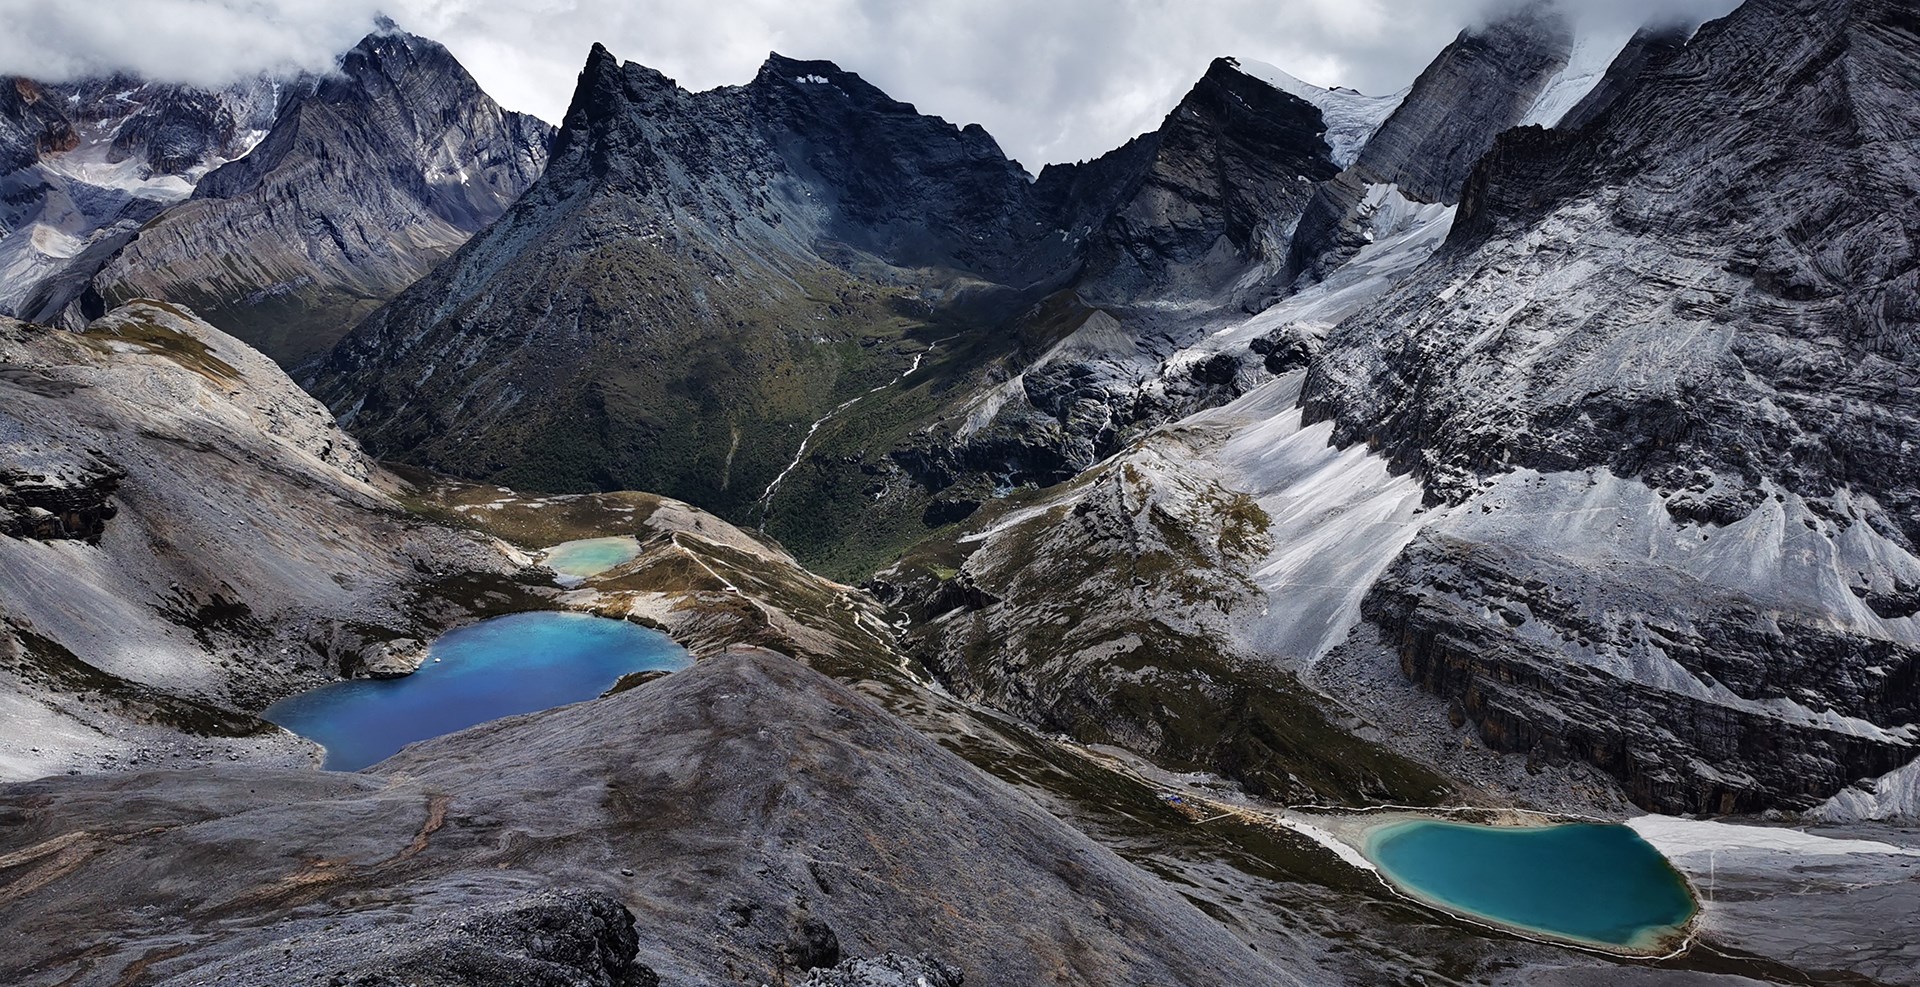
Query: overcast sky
{"points": [[1053, 80]]}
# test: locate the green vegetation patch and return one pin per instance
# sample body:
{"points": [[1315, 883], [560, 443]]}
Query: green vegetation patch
{"points": [[149, 336]]}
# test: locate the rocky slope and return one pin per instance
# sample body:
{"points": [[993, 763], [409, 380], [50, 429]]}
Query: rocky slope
{"points": [[187, 537], [366, 180], [760, 820], [84, 164], [1610, 477]]}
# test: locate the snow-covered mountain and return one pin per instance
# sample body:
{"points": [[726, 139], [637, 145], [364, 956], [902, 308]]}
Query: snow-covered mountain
{"points": [[1611, 472]]}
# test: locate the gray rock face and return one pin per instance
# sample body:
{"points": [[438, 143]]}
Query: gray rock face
{"points": [[366, 180], [51, 492], [567, 938], [889, 970], [1728, 751], [1185, 210], [1480, 85], [1648, 47], [84, 164], [187, 537], [1699, 305], [729, 804]]}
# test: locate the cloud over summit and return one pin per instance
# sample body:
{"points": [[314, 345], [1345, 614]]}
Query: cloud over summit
{"points": [[1060, 81]]}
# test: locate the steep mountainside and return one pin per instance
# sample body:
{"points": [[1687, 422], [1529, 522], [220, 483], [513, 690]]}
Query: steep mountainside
{"points": [[1487, 80], [1615, 477], [702, 280], [659, 311], [186, 538], [368, 178], [1484, 82], [84, 164], [1697, 313]]}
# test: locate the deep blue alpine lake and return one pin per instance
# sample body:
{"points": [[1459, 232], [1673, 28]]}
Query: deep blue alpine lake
{"points": [[520, 663], [1593, 883]]}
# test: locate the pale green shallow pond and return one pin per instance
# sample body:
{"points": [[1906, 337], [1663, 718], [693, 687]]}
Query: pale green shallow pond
{"points": [[590, 556], [1586, 883]]}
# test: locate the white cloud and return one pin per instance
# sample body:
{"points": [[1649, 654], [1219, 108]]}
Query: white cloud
{"points": [[1063, 80]]}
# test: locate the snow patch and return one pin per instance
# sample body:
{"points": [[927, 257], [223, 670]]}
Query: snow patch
{"points": [[1677, 838], [1592, 54], [1351, 116], [1893, 797]]}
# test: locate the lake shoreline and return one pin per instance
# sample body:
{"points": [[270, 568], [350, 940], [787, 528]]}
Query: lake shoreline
{"points": [[1360, 833]]}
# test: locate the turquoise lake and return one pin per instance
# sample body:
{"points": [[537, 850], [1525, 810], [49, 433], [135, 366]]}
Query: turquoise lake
{"points": [[589, 556], [520, 663], [1590, 883]]}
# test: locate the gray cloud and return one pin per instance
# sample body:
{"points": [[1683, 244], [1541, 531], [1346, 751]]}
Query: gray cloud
{"points": [[1057, 81]]}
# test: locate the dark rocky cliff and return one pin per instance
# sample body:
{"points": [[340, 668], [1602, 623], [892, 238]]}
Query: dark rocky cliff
{"points": [[701, 277], [1184, 210], [366, 179]]}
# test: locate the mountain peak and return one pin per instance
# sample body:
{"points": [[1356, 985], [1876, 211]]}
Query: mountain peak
{"points": [[598, 96], [1351, 117], [390, 49], [784, 65], [807, 74], [598, 56]]}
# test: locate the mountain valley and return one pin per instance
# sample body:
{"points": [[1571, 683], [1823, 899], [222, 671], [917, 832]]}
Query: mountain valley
{"points": [[1080, 570]]}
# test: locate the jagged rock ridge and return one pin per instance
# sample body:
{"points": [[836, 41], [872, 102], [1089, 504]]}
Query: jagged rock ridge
{"points": [[366, 180], [811, 239]]}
